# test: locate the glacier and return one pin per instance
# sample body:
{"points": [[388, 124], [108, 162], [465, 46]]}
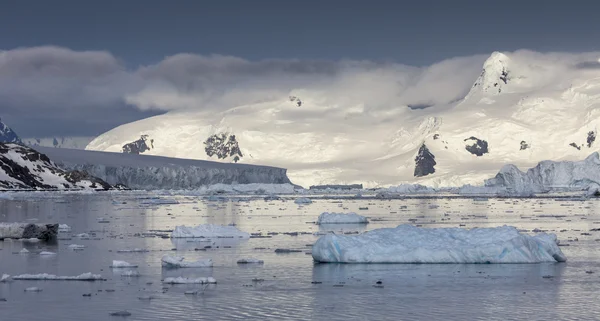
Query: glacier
{"points": [[410, 244], [524, 107], [154, 172]]}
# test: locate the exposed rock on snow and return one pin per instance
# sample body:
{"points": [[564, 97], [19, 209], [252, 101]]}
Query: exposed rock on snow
{"points": [[28, 230], [409, 244], [154, 172], [174, 262], [591, 138], [524, 145], [208, 231], [24, 168], [139, 146], [476, 146], [341, 218], [182, 280], [223, 145], [549, 176], [51, 277], [424, 162]]}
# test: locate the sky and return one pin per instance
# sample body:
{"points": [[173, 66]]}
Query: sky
{"points": [[79, 68]]}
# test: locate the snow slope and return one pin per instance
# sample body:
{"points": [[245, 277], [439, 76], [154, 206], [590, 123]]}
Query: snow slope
{"points": [[7, 135], [524, 107], [410, 244], [24, 168], [150, 172], [58, 142]]}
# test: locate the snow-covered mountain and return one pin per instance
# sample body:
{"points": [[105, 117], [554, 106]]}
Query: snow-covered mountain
{"points": [[59, 142], [7, 135], [24, 168], [524, 107]]}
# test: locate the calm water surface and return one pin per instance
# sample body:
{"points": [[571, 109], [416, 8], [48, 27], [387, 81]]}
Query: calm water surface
{"points": [[283, 287]]}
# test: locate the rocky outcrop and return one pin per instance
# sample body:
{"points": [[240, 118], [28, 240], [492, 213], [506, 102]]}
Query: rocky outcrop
{"points": [[223, 146], [139, 146], [25, 168], [476, 146], [524, 145], [591, 138], [424, 162], [28, 230]]}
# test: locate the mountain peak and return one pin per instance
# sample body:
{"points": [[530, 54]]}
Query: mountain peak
{"points": [[7, 135], [494, 77]]}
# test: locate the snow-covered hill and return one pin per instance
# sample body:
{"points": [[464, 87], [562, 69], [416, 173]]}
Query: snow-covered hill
{"points": [[152, 172], [58, 142], [7, 135], [24, 168], [524, 107]]}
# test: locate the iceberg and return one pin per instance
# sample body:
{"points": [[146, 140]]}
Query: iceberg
{"points": [[5, 278], [208, 231], [169, 261], [122, 264], [47, 253], [341, 218], [51, 277], [182, 280], [410, 244], [303, 201]]}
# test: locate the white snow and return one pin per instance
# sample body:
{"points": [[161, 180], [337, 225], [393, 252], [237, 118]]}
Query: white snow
{"points": [[51, 277], [182, 280], [208, 231], [122, 264], [341, 218], [169, 261], [250, 261], [409, 244]]}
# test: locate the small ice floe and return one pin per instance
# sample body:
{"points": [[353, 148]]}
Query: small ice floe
{"points": [[24, 251], [182, 280], [33, 289], [76, 247], [82, 236], [5, 278], [169, 261], [136, 250], [64, 228], [208, 231], [122, 265], [303, 201], [103, 220], [31, 240], [130, 273], [47, 253], [250, 261], [51, 277], [341, 218]]}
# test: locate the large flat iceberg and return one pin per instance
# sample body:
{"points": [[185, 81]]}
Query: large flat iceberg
{"points": [[169, 261], [208, 231], [51, 277], [409, 244]]}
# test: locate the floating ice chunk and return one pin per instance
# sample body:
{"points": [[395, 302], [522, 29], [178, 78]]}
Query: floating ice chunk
{"points": [[63, 228], [31, 240], [303, 201], [24, 251], [208, 231], [409, 244], [136, 250], [5, 278], [182, 280], [250, 261], [83, 236], [33, 289], [341, 218], [102, 220], [51, 277], [76, 247], [122, 264], [179, 262], [47, 253]]}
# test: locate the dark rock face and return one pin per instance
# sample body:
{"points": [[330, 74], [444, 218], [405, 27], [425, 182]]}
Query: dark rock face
{"points": [[476, 146], [296, 100], [42, 232], [139, 146], [7, 135], [78, 176], [436, 136], [575, 146], [223, 146], [424, 162], [591, 138], [524, 145]]}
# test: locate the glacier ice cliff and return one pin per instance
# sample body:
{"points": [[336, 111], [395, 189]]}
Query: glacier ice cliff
{"points": [[156, 172]]}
